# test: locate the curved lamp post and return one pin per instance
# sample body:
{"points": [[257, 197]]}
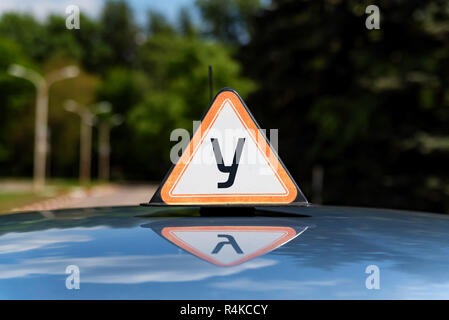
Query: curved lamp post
{"points": [[42, 85], [106, 120], [87, 120]]}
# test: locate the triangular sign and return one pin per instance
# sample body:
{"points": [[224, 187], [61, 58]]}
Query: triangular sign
{"points": [[228, 161], [229, 245]]}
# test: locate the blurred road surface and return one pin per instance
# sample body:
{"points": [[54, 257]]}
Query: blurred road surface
{"points": [[101, 196]]}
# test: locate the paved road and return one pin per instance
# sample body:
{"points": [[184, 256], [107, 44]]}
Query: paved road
{"points": [[102, 196]]}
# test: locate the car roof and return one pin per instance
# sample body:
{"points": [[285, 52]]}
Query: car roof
{"points": [[122, 252]]}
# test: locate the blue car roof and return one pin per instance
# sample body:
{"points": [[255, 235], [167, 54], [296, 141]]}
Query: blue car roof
{"points": [[124, 253]]}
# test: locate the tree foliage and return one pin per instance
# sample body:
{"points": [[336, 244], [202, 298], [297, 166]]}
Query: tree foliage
{"points": [[369, 106], [227, 21], [154, 77], [358, 102]]}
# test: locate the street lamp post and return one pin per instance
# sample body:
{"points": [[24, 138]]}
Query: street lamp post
{"points": [[87, 119], [42, 85], [104, 150], [105, 121]]}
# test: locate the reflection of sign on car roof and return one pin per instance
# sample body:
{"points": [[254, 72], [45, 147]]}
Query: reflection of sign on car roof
{"points": [[229, 245], [228, 241], [228, 161]]}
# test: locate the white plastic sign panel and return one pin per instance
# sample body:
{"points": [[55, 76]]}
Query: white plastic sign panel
{"points": [[229, 161]]}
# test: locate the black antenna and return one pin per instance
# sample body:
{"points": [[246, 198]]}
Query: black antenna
{"points": [[211, 84]]}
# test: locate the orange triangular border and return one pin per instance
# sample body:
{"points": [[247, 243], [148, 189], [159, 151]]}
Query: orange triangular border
{"points": [[168, 233], [292, 191]]}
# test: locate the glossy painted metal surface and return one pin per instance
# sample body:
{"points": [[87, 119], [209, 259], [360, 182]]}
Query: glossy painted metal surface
{"points": [[124, 253]]}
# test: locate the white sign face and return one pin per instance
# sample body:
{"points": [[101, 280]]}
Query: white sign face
{"points": [[229, 245], [253, 176], [228, 161]]}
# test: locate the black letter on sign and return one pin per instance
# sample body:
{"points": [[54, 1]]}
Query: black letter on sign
{"points": [[232, 169], [230, 241]]}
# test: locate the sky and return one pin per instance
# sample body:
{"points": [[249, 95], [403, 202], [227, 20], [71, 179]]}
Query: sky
{"points": [[41, 8]]}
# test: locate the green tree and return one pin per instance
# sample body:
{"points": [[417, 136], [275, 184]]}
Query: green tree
{"points": [[227, 21], [60, 41], [186, 24], [177, 69], [119, 32], [157, 82], [16, 105], [26, 32], [65, 126], [157, 23], [96, 51], [124, 89], [359, 102]]}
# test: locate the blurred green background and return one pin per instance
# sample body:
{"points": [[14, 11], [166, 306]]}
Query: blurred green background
{"points": [[367, 111]]}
